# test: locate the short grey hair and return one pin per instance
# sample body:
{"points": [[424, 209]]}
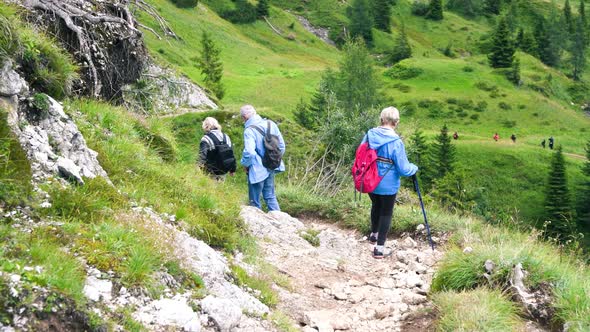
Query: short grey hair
{"points": [[210, 124], [389, 115], [247, 111]]}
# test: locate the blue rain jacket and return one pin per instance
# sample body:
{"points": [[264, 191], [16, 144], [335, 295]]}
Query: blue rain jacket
{"points": [[254, 149], [389, 145]]}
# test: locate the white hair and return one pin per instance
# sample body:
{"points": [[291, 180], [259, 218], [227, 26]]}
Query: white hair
{"points": [[247, 111], [389, 115], [210, 124]]}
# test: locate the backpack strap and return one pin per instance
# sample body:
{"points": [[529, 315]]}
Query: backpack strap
{"points": [[260, 130], [216, 140]]}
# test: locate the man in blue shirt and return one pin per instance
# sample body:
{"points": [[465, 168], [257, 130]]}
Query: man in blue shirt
{"points": [[260, 179]]}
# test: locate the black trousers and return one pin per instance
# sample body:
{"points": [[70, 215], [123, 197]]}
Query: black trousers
{"points": [[381, 213]]}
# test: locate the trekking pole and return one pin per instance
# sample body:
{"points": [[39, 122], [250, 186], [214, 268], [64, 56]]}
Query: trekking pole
{"points": [[415, 178]]}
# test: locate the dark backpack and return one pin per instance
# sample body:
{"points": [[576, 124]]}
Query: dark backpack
{"points": [[272, 156], [221, 159]]}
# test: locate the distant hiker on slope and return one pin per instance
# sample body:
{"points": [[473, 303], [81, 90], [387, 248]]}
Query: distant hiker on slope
{"points": [[455, 136], [551, 141], [543, 143], [392, 164], [496, 137], [513, 138], [216, 155], [262, 158]]}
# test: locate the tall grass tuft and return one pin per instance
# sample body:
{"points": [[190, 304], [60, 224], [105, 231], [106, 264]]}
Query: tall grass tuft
{"points": [[476, 310]]}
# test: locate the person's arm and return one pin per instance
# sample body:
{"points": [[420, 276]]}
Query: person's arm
{"points": [[249, 154], [204, 148], [400, 159]]}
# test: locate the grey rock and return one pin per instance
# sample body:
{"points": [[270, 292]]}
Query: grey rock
{"points": [[68, 170], [54, 145], [96, 289], [169, 92], [10, 81], [224, 313], [321, 33], [165, 313], [489, 266]]}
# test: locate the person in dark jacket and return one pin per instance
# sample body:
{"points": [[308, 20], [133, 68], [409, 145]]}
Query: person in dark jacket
{"points": [[513, 138], [543, 143], [551, 142], [211, 127], [393, 164]]}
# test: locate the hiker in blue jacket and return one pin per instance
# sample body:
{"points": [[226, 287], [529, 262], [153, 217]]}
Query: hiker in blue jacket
{"points": [[260, 179], [392, 165]]}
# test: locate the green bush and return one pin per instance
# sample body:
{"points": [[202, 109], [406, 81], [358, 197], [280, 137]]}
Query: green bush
{"points": [[243, 13], [420, 8], [403, 72], [185, 3], [504, 106]]}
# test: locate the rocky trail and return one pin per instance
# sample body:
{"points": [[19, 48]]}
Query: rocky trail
{"points": [[338, 285]]}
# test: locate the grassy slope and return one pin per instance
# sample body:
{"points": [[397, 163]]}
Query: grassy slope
{"points": [[273, 73], [513, 172], [260, 67]]}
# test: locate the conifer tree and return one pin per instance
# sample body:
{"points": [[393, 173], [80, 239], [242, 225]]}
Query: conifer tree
{"points": [[401, 49], [583, 204], [418, 154], [435, 10], [567, 15], [211, 66], [262, 8], [526, 43], [493, 6], [582, 12], [311, 116], [443, 154], [417, 149], [382, 13], [557, 200], [578, 50], [356, 82], [502, 52], [547, 48], [361, 21]]}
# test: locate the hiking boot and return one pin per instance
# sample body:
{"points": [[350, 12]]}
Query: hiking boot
{"points": [[372, 238], [379, 254]]}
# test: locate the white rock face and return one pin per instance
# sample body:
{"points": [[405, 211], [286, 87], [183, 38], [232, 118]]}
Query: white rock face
{"points": [[97, 289], [174, 312], [170, 92], [54, 145], [10, 81], [224, 313], [225, 299]]}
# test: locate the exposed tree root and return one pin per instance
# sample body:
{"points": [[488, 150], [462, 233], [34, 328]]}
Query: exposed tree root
{"points": [[104, 37]]}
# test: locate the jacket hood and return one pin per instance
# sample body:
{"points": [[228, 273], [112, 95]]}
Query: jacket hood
{"points": [[380, 136]]}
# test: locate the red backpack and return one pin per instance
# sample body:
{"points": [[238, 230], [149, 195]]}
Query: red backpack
{"points": [[365, 172]]}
